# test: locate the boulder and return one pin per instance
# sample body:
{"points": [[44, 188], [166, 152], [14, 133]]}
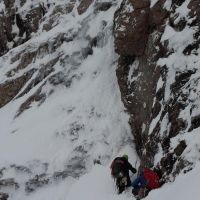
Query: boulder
{"points": [[26, 22]]}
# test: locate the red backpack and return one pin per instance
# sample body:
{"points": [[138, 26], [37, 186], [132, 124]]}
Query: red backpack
{"points": [[152, 178]]}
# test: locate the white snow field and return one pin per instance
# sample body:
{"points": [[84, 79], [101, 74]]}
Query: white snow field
{"points": [[98, 185], [88, 113], [80, 124], [77, 125]]}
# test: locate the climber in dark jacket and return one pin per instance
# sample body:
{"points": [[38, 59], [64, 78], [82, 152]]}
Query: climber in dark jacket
{"points": [[121, 164]]}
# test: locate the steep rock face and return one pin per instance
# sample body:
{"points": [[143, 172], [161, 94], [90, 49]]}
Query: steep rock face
{"points": [[158, 78]]}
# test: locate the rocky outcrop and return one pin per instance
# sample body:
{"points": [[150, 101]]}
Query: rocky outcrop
{"points": [[17, 26], [131, 27], [83, 6], [37, 182], [57, 12], [155, 93], [9, 183], [3, 196], [38, 96], [10, 89]]}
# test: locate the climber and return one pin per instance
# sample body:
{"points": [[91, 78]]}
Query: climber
{"points": [[121, 164], [145, 182]]}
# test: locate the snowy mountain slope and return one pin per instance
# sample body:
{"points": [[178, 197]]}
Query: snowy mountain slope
{"points": [[64, 107], [185, 187], [97, 184], [61, 116]]}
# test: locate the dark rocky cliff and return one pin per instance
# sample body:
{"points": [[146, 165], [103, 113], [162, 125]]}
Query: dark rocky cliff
{"points": [[158, 69]]}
